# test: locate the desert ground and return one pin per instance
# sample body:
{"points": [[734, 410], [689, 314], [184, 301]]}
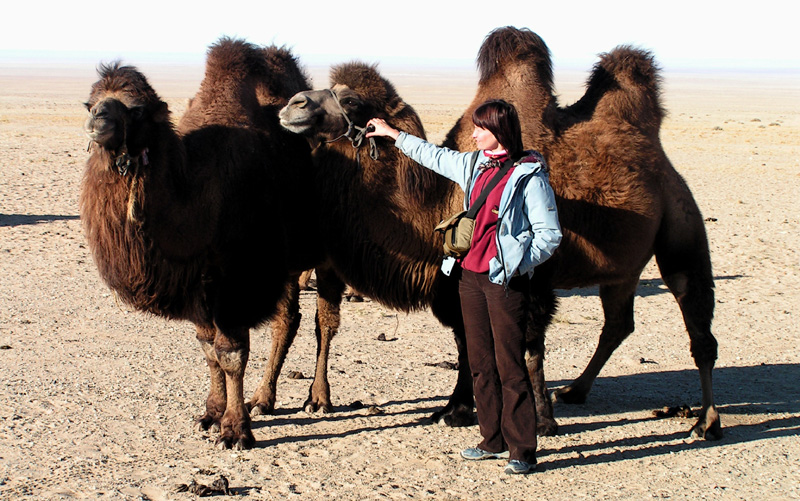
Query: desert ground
{"points": [[97, 401]]}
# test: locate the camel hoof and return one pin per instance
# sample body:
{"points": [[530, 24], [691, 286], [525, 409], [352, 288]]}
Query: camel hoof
{"points": [[546, 427], [568, 395], [207, 423], [260, 409], [455, 416], [226, 442], [316, 408], [708, 427]]}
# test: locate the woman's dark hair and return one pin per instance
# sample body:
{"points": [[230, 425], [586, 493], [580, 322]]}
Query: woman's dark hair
{"points": [[500, 118]]}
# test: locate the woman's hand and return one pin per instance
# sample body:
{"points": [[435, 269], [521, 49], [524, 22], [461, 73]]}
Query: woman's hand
{"points": [[381, 128]]}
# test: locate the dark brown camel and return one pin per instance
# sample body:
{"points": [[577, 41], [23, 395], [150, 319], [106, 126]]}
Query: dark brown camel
{"points": [[377, 221], [620, 200], [195, 226]]}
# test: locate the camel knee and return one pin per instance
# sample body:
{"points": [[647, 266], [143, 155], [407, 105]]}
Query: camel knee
{"points": [[232, 362]]}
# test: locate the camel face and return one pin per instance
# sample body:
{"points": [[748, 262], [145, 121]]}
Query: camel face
{"points": [[122, 109], [326, 114], [108, 122]]}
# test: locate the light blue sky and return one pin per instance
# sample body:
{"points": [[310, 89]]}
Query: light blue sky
{"points": [[681, 33]]}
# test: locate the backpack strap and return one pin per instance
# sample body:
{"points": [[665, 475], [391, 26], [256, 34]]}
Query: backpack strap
{"points": [[475, 207]]}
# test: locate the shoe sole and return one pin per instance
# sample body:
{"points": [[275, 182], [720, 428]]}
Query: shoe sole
{"points": [[499, 455], [511, 471]]}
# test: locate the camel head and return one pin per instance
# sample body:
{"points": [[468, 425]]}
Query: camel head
{"points": [[123, 109], [357, 94]]}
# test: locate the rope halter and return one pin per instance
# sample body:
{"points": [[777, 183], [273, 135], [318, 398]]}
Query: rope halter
{"points": [[354, 133]]}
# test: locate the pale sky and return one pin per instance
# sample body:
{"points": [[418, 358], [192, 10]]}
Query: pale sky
{"points": [[681, 33]]}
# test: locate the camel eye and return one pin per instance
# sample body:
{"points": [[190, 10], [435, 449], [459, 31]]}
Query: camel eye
{"points": [[137, 112], [349, 101]]}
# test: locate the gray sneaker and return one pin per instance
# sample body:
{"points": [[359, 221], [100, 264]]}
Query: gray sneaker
{"points": [[474, 453], [517, 467]]}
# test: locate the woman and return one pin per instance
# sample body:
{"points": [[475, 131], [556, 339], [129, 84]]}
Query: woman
{"points": [[495, 273]]}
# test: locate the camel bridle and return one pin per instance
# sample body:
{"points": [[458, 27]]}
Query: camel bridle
{"points": [[125, 164], [354, 133]]}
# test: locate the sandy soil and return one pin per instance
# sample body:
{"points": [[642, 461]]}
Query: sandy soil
{"points": [[97, 401]]}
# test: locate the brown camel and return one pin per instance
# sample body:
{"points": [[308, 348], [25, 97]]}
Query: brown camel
{"points": [[620, 200], [377, 221], [194, 226]]}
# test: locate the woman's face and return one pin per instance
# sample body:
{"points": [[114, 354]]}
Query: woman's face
{"points": [[485, 140]]}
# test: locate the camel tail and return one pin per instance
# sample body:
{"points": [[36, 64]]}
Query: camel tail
{"points": [[626, 83], [515, 44]]}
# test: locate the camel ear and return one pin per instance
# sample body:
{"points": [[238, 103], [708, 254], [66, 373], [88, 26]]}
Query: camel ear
{"points": [[161, 112], [395, 106]]}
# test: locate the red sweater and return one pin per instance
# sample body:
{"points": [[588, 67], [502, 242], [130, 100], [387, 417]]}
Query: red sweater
{"points": [[483, 247]]}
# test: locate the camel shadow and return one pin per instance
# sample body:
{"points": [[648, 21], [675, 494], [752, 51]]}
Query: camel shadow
{"points": [[346, 413], [27, 219], [647, 287], [740, 392]]}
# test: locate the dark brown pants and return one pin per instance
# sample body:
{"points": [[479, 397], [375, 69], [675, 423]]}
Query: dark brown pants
{"points": [[495, 326]]}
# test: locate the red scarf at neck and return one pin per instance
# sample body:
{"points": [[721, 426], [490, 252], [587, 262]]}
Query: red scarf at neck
{"points": [[496, 159]]}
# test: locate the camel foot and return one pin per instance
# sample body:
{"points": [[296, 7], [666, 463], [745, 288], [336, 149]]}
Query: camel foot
{"points": [[455, 416], [312, 407], [546, 427], [237, 437], [206, 422], [260, 409], [237, 443], [708, 426], [568, 395]]}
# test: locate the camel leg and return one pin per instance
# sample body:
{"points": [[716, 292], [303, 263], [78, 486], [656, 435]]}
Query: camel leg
{"points": [[305, 280], [329, 298], [284, 326], [232, 349], [617, 303], [446, 307], [216, 400], [353, 296], [543, 307], [695, 297]]}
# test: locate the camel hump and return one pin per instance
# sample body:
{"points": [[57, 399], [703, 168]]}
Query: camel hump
{"points": [[514, 45], [231, 56], [627, 82]]}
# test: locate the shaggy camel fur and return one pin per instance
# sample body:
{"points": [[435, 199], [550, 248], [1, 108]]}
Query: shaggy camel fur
{"points": [[195, 226], [379, 215], [619, 201]]}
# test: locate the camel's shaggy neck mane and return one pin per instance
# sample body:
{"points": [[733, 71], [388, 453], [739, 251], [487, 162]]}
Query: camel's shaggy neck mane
{"points": [[119, 211], [386, 206]]}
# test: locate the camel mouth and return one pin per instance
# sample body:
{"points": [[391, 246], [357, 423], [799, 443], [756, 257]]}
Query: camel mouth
{"points": [[102, 134], [298, 126]]}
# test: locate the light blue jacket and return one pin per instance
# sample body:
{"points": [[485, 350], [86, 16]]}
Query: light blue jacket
{"points": [[528, 231]]}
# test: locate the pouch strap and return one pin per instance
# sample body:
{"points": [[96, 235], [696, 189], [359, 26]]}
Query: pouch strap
{"points": [[475, 207]]}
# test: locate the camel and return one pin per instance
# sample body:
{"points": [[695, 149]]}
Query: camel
{"points": [[619, 198], [194, 226], [377, 222]]}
